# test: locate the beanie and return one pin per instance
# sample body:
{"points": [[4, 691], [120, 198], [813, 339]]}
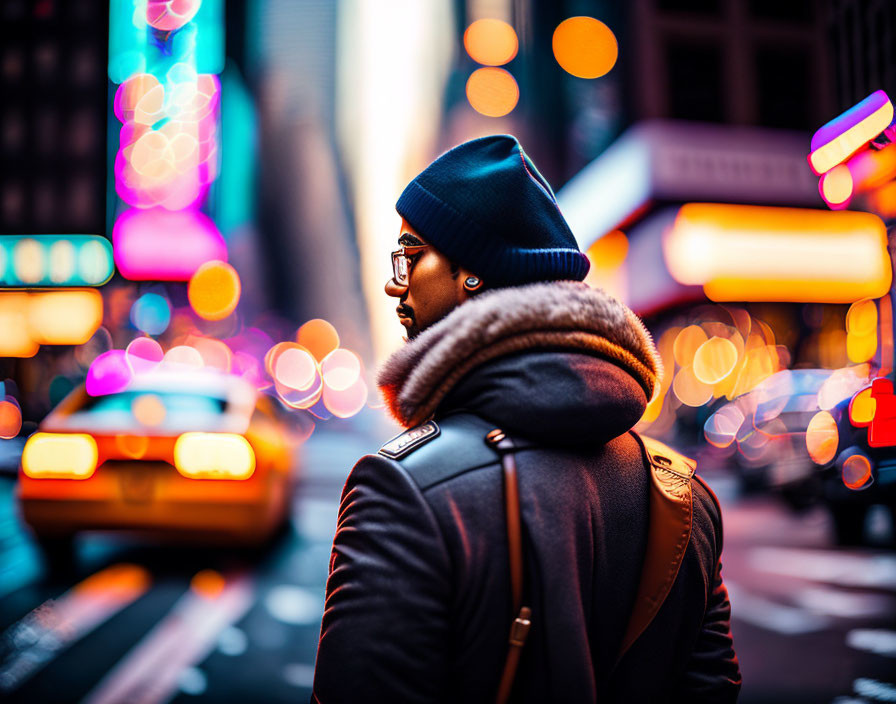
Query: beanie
{"points": [[486, 207]]}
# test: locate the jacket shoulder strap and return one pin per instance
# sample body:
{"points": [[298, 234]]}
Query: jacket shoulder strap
{"points": [[668, 534]]}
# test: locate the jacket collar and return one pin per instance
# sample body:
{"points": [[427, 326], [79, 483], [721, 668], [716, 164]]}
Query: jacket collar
{"points": [[556, 315]]}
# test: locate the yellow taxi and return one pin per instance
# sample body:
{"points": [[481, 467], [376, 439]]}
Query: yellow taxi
{"points": [[199, 456]]}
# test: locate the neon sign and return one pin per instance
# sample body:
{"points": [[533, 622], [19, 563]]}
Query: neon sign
{"points": [[840, 138], [164, 55]]}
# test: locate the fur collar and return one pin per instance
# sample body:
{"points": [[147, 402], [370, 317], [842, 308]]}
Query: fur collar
{"points": [[558, 315]]}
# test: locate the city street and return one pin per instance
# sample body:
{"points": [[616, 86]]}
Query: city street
{"points": [[152, 623]]}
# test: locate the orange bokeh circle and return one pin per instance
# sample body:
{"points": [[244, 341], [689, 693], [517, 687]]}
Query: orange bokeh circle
{"points": [[493, 92], [585, 47], [491, 42], [214, 290]]}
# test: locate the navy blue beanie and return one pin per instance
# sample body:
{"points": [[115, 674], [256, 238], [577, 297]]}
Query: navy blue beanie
{"points": [[484, 205]]}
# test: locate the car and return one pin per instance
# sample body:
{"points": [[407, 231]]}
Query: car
{"points": [[202, 457], [774, 425], [862, 471]]}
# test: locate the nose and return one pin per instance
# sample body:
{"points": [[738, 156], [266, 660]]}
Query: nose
{"points": [[395, 290]]}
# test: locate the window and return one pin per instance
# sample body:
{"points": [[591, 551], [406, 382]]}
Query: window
{"points": [[695, 7], [695, 81], [801, 11], [783, 81]]}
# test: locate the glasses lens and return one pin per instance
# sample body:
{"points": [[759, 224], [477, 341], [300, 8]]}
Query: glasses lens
{"points": [[400, 269]]}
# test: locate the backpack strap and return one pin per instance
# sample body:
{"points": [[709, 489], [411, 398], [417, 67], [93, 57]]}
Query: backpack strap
{"points": [[519, 629], [669, 531]]}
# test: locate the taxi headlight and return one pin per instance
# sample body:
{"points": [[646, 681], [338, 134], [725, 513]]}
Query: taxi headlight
{"points": [[214, 456], [59, 456]]}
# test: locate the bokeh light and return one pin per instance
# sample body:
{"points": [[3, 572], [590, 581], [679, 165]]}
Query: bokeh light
{"points": [[28, 260], [856, 472], [861, 331], [493, 92], [151, 313], [184, 356], [108, 373], [143, 354], [822, 437], [344, 403], [215, 353], [686, 344], [295, 368], [341, 369], [214, 290], [65, 317], [208, 584], [145, 243], [721, 427], [491, 42], [689, 389], [10, 419], [168, 15], [61, 261], [609, 251], [148, 410], [861, 318], [862, 408], [318, 337], [836, 186], [861, 348], [841, 384], [585, 47], [714, 360]]}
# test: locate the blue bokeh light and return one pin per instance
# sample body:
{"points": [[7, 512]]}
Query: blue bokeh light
{"points": [[151, 314]]}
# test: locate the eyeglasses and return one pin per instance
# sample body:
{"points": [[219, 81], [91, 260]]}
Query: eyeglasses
{"points": [[401, 262]]}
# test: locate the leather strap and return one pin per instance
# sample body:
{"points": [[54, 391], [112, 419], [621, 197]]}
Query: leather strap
{"points": [[519, 629], [669, 531], [671, 512]]}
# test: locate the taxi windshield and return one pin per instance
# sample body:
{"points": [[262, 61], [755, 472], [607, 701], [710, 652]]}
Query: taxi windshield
{"points": [[168, 411]]}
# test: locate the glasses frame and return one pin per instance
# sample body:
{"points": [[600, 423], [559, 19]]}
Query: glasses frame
{"points": [[402, 262]]}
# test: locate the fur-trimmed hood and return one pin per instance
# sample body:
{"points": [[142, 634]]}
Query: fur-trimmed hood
{"points": [[557, 349]]}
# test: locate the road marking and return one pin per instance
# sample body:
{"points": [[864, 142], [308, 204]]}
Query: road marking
{"points": [[150, 673], [844, 604], [58, 623], [843, 568], [877, 641], [878, 691], [295, 605], [299, 674], [761, 612]]}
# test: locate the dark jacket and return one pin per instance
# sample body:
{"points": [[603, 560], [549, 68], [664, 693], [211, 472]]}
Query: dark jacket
{"points": [[418, 600]]}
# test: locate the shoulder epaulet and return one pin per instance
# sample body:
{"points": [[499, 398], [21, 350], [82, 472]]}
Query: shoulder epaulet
{"points": [[672, 470], [408, 441]]}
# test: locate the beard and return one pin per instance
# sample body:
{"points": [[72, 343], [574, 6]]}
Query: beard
{"points": [[406, 312]]}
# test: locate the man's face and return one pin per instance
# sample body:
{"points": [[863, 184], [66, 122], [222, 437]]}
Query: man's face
{"points": [[434, 288]]}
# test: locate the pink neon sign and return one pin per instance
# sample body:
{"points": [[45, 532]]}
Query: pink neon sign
{"points": [[836, 141], [162, 245]]}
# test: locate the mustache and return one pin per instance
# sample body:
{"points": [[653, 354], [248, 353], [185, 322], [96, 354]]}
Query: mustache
{"points": [[405, 310]]}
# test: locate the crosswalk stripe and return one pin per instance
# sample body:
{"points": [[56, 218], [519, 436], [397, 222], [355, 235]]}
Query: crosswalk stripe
{"points": [[843, 568], [148, 674], [56, 624], [767, 614], [844, 604]]}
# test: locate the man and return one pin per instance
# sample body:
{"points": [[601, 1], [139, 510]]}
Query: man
{"points": [[502, 334]]}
